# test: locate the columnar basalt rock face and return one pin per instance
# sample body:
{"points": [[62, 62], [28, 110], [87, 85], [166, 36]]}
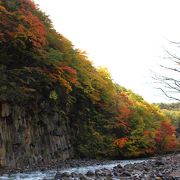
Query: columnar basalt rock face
{"points": [[29, 137]]}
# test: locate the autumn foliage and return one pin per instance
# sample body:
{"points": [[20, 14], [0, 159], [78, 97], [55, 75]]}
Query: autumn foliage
{"points": [[39, 65], [165, 136], [121, 142], [20, 27]]}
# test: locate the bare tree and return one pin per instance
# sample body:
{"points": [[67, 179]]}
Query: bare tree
{"points": [[169, 83]]}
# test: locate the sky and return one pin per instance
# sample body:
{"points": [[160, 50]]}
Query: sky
{"points": [[126, 36]]}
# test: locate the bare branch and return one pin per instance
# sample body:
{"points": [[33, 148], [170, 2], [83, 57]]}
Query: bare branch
{"points": [[173, 42], [170, 97], [173, 56], [177, 83], [173, 69], [170, 83]]}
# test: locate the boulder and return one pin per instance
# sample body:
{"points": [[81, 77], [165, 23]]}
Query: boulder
{"points": [[62, 175], [90, 173]]}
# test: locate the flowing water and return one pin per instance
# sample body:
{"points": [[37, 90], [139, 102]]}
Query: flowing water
{"points": [[49, 174]]}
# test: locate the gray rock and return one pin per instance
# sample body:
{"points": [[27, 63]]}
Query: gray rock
{"points": [[57, 176], [62, 175], [73, 174], [106, 172], [98, 172], [125, 173], [119, 166], [159, 163], [175, 175], [65, 174], [90, 173], [82, 177]]}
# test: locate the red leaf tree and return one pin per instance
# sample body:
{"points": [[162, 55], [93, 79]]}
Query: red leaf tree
{"points": [[20, 27], [165, 137]]}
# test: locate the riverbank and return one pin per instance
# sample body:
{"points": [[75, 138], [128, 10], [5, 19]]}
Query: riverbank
{"points": [[158, 168], [164, 167], [62, 165]]}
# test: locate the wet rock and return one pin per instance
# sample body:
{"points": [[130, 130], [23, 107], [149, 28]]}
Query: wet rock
{"points": [[106, 172], [98, 172], [73, 174], [152, 176], [159, 163], [146, 169], [116, 174], [63, 175], [82, 177], [158, 178], [119, 166], [57, 176], [175, 175], [42, 169], [90, 173], [125, 173], [176, 178], [117, 169]]}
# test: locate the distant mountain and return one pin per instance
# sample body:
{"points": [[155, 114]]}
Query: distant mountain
{"points": [[169, 106]]}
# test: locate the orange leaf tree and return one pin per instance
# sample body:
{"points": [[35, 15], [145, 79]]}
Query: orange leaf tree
{"points": [[165, 137]]}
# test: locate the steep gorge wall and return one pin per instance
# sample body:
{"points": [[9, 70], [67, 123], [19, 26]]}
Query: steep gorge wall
{"points": [[29, 136]]}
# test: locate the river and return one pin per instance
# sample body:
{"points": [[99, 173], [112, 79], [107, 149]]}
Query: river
{"points": [[49, 174]]}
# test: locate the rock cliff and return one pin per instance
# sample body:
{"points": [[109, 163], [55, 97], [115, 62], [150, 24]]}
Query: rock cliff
{"points": [[30, 137]]}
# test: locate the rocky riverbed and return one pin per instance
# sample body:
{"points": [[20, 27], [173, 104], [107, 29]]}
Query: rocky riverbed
{"points": [[157, 168], [160, 168]]}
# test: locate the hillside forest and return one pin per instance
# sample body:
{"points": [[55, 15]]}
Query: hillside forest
{"points": [[38, 65]]}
